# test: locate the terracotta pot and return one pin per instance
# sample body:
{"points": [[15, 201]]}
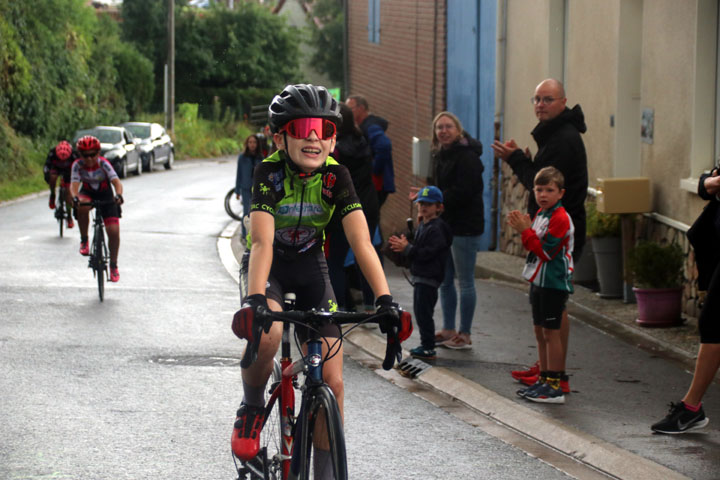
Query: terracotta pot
{"points": [[659, 307]]}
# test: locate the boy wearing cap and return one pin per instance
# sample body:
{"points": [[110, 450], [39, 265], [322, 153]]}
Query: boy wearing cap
{"points": [[428, 254]]}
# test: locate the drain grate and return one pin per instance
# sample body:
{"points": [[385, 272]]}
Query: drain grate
{"points": [[412, 367], [196, 361]]}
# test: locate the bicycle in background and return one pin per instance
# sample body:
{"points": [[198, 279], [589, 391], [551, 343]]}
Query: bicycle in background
{"points": [[233, 205], [62, 213], [286, 439]]}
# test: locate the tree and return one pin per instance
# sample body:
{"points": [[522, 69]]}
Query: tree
{"points": [[327, 31]]}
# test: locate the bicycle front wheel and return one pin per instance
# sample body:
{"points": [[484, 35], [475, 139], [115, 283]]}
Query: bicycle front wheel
{"points": [[60, 215], [100, 260], [321, 428], [233, 205]]}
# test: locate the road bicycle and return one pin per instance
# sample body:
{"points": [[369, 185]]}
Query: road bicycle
{"points": [[99, 259], [286, 439], [233, 205], [62, 213]]}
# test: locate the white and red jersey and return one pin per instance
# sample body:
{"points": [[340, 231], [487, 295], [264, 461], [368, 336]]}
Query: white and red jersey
{"points": [[96, 178]]}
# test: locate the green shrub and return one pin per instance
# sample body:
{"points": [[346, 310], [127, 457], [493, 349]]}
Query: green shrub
{"points": [[656, 266], [601, 224]]}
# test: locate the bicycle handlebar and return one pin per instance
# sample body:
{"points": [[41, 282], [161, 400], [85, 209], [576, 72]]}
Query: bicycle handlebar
{"points": [[250, 325]]}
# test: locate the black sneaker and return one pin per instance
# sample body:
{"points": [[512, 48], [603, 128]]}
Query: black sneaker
{"points": [[681, 420]]}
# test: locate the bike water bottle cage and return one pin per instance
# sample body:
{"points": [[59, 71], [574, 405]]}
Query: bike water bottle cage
{"points": [[300, 128]]}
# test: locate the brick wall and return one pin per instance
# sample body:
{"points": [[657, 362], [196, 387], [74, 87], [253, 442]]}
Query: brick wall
{"points": [[400, 76]]}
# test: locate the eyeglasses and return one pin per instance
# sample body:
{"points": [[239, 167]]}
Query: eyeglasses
{"points": [[543, 100], [300, 128], [88, 154]]}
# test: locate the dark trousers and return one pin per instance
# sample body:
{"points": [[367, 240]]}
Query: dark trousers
{"points": [[424, 300]]}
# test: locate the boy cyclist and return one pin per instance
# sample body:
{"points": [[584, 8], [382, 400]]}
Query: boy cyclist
{"points": [[428, 253], [295, 192], [549, 267]]}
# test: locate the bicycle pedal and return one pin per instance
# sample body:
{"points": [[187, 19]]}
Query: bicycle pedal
{"points": [[412, 367]]}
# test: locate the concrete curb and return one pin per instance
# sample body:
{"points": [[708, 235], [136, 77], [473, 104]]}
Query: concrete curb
{"points": [[581, 446]]}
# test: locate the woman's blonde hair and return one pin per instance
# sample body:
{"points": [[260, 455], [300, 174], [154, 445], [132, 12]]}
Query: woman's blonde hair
{"points": [[435, 145]]}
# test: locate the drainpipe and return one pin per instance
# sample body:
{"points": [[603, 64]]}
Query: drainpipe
{"points": [[499, 120]]}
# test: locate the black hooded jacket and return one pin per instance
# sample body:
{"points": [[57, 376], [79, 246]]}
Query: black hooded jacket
{"points": [[458, 173], [561, 146]]}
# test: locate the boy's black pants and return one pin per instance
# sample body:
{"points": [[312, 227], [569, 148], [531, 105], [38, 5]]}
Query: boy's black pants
{"points": [[424, 300]]}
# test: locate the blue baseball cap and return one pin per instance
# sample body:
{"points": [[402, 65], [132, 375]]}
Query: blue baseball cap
{"points": [[430, 194]]}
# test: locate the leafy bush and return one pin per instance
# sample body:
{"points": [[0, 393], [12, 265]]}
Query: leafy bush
{"points": [[656, 266], [601, 224]]}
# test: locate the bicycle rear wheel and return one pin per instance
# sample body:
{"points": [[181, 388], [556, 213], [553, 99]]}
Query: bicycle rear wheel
{"points": [[321, 409], [233, 205], [268, 464], [60, 210]]}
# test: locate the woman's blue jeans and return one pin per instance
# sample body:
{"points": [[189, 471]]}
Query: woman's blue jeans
{"points": [[461, 262]]}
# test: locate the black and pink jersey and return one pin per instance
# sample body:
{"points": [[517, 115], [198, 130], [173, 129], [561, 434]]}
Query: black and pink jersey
{"points": [[97, 178], [52, 162]]}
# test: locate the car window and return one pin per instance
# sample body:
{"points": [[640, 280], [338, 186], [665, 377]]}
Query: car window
{"points": [[140, 131], [108, 136]]}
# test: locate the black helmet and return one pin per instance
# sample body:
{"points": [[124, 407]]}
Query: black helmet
{"points": [[301, 101]]}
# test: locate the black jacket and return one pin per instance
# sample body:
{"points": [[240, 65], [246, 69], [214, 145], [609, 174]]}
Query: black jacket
{"points": [[560, 146], [458, 173], [354, 152], [429, 251], [704, 236]]}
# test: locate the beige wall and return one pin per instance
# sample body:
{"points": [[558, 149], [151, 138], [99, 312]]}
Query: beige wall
{"points": [[593, 52]]}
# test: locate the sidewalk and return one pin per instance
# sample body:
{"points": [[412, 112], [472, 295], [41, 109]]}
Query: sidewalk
{"points": [[622, 376], [611, 315]]}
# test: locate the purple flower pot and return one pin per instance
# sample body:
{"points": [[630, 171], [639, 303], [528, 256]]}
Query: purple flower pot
{"points": [[659, 307]]}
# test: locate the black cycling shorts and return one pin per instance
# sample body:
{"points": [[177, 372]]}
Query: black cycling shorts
{"points": [[112, 210], [548, 305], [305, 275]]}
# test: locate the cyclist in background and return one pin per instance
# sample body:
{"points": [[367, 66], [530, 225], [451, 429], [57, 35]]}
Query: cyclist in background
{"points": [[295, 192], [57, 164], [91, 179]]}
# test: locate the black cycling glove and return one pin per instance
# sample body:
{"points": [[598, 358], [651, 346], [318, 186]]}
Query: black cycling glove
{"points": [[119, 199]]}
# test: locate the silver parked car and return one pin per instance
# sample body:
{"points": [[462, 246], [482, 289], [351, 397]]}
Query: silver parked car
{"points": [[155, 145], [118, 145]]}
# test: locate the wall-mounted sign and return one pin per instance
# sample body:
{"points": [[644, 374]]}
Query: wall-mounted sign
{"points": [[648, 124]]}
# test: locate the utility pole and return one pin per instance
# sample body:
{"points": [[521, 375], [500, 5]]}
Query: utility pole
{"points": [[171, 67]]}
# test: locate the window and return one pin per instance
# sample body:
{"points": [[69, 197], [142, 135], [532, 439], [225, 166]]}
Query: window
{"points": [[374, 21]]}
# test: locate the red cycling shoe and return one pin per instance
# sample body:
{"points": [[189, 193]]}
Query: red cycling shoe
{"points": [[532, 371], [84, 248], [245, 441]]}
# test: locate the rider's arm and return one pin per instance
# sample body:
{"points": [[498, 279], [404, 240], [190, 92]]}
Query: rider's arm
{"points": [[262, 232], [74, 189], [358, 236], [118, 186]]}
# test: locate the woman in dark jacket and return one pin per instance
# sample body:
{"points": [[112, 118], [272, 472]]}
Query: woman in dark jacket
{"points": [[458, 173], [352, 151], [688, 415], [246, 162]]}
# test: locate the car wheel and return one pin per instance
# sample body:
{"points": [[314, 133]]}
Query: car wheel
{"points": [[151, 162], [170, 160], [123, 168], [139, 169]]}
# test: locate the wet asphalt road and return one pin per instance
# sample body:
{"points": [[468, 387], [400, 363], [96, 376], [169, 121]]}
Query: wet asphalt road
{"points": [[145, 384]]}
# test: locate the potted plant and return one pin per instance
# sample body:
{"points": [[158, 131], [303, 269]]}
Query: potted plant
{"points": [[657, 272], [604, 229]]}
